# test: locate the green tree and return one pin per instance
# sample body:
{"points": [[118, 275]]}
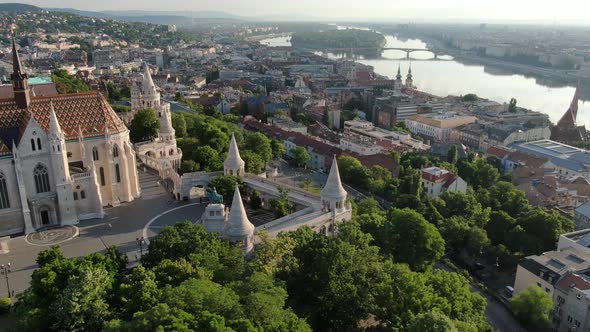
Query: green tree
{"points": [[512, 105], [260, 144], [207, 158], [144, 126], [159, 318], [300, 156], [140, 292], [226, 185], [278, 149], [407, 237], [189, 166], [453, 155], [179, 124], [282, 205], [470, 97], [432, 322], [532, 307], [113, 92], [82, 305], [66, 83], [546, 226], [254, 162], [255, 200]]}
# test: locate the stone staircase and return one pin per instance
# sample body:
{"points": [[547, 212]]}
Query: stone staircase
{"points": [[149, 182]]}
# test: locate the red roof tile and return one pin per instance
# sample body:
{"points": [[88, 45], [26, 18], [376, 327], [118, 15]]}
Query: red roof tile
{"points": [[88, 112], [571, 279]]}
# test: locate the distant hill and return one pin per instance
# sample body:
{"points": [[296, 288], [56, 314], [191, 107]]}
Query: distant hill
{"points": [[18, 7], [172, 17]]}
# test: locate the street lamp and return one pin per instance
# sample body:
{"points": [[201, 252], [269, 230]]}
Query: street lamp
{"points": [[140, 242], [5, 270]]}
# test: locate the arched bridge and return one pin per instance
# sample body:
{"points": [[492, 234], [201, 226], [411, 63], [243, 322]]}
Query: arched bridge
{"points": [[408, 50]]}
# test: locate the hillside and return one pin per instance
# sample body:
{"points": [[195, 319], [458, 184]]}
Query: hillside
{"points": [[144, 34], [18, 7], [339, 39], [165, 17]]}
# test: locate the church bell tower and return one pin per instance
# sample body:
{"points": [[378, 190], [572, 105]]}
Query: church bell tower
{"points": [[20, 84]]}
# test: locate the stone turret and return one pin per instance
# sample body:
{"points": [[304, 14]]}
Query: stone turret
{"points": [[61, 170], [333, 194], [233, 164], [238, 227]]}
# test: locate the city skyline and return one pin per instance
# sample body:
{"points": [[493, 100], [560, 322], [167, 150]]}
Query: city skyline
{"points": [[568, 11]]}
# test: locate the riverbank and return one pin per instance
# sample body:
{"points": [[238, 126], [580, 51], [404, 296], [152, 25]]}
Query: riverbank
{"points": [[566, 77], [259, 38]]}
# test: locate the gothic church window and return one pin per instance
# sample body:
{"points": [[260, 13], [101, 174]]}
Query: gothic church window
{"points": [[41, 179], [82, 194], [33, 144], [117, 173], [102, 180], [75, 196], [39, 144], [95, 154], [115, 151], [4, 202]]}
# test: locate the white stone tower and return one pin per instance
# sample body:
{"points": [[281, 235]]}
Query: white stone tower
{"points": [[333, 194], [398, 79], [234, 164], [61, 170], [238, 228]]}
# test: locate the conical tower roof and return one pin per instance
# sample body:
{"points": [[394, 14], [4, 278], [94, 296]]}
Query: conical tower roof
{"points": [[409, 72], [399, 72], [333, 189], [148, 83], [238, 225], [233, 160]]}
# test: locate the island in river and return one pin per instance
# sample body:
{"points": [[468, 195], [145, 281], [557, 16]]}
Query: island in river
{"points": [[339, 39]]}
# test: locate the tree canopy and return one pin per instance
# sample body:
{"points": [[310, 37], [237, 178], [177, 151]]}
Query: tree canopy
{"points": [[144, 126]]}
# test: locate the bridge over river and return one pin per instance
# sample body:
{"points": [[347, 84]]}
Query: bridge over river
{"points": [[407, 50]]}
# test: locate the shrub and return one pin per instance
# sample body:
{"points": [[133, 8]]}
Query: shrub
{"points": [[5, 304]]}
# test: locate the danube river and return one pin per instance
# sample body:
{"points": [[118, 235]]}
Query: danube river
{"points": [[452, 77]]}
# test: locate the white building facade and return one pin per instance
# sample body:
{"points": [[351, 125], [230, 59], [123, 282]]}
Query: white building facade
{"points": [[62, 158]]}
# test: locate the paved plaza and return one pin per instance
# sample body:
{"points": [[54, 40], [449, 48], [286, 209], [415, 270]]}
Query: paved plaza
{"points": [[121, 227]]}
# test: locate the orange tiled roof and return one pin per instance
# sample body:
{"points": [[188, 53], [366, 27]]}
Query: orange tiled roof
{"points": [[88, 112]]}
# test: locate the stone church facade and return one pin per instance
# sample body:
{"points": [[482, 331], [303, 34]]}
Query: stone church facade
{"points": [[62, 158]]}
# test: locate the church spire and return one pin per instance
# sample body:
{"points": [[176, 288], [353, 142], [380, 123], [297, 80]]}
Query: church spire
{"points": [[19, 79], [16, 64], [333, 190], [54, 127], [399, 72], [233, 164], [409, 72]]}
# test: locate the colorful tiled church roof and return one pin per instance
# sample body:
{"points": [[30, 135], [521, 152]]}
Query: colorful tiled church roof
{"points": [[88, 112]]}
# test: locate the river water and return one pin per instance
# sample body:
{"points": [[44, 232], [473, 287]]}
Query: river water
{"points": [[452, 77]]}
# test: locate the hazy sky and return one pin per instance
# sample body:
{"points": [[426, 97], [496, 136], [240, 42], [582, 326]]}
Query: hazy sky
{"points": [[548, 10]]}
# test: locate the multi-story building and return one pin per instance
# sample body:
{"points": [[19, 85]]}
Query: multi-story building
{"points": [[438, 126], [62, 158], [547, 269]]}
